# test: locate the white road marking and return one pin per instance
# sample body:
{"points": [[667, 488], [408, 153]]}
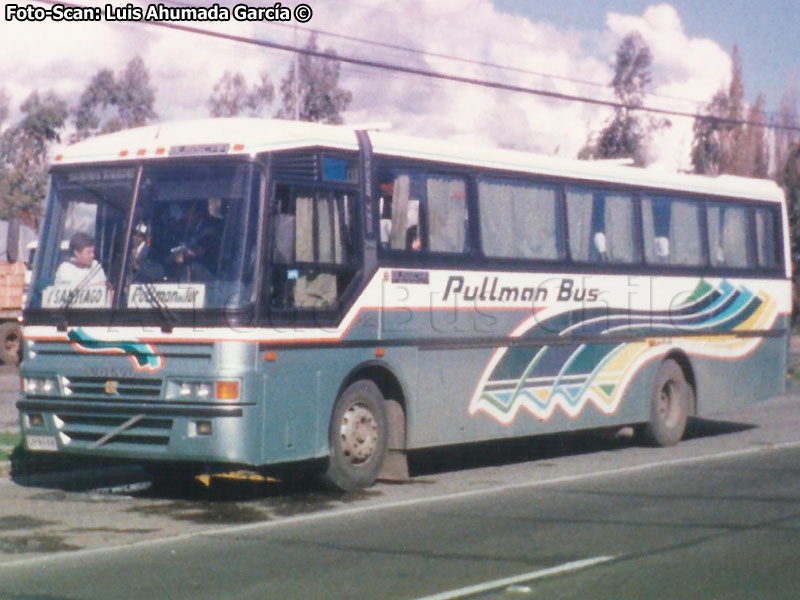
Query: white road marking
{"points": [[357, 510], [525, 577]]}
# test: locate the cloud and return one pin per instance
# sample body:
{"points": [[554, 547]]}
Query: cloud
{"points": [[184, 68]]}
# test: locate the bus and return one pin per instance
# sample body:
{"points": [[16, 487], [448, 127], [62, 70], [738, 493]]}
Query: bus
{"points": [[227, 294]]}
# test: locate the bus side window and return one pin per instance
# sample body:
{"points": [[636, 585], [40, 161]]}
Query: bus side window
{"points": [[767, 242], [399, 215], [313, 254], [672, 232], [421, 212], [601, 227], [447, 214], [727, 235], [519, 219]]}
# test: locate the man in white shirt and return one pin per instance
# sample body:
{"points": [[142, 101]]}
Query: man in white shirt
{"points": [[81, 269]]}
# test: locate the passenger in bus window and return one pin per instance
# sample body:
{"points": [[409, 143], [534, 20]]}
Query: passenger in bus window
{"points": [[80, 269], [142, 266], [194, 256]]}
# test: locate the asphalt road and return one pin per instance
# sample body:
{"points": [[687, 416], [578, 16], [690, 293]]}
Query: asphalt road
{"points": [[566, 517], [9, 394]]}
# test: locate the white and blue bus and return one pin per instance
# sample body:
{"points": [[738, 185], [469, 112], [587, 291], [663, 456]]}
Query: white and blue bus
{"points": [[243, 293]]}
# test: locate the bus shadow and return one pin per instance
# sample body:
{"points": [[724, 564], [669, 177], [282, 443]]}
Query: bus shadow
{"points": [[302, 482], [702, 428], [542, 448]]}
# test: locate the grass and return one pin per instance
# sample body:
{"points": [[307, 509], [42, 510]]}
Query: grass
{"points": [[8, 441]]}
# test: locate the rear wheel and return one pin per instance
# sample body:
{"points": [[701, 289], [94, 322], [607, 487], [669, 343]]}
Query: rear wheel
{"points": [[357, 436], [669, 406]]}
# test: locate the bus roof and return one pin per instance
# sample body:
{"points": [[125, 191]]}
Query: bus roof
{"points": [[206, 137]]}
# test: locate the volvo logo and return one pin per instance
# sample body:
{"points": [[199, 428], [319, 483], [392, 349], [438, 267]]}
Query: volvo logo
{"points": [[107, 372], [110, 387]]}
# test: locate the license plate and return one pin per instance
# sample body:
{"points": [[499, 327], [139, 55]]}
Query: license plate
{"points": [[41, 442]]}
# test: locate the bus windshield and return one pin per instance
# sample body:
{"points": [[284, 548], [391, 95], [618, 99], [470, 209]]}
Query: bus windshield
{"points": [[192, 238]]}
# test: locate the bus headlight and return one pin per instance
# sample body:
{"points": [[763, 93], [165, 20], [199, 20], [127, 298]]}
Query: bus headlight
{"points": [[204, 390], [40, 386]]}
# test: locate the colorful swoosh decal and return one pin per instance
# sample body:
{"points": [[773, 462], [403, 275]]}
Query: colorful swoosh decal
{"points": [[143, 357], [541, 378]]}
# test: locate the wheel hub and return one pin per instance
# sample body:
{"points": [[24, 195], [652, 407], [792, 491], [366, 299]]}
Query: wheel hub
{"points": [[667, 403], [359, 434]]}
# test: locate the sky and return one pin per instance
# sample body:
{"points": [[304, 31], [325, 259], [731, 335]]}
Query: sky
{"points": [[566, 47], [766, 31]]}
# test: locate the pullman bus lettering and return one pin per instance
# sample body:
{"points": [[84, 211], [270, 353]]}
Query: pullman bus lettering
{"points": [[495, 292]]}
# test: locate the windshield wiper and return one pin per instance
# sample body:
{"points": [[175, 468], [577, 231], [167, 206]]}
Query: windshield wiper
{"points": [[152, 297], [75, 292]]}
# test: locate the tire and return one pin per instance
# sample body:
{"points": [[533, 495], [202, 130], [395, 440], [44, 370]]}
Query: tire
{"points": [[670, 403], [10, 343], [358, 436]]}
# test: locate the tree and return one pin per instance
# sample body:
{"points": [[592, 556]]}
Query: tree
{"points": [[709, 145], [722, 143], [789, 178], [231, 96], [112, 103], [754, 155], [24, 150], [625, 135], [4, 100], [135, 95], [785, 139], [310, 91], [736, 112]]}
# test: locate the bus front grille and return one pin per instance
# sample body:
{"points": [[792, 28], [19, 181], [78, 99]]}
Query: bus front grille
{"points": [[87, 429], [99, 387]]}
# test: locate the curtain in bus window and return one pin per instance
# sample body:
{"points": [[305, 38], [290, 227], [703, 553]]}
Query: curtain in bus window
{"points": [[727, 235], [656, 248], [766, 242], [518, 220], [397, 238], [684, 235], [447, 214], [304, 234], [330, 238], [601, 227], [671, 232], [315, 242], [318, 229], [579, 219], [620, 245]]}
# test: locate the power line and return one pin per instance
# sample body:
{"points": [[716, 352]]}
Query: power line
{"points": [[497, 85], [451, 57], [480, 63]]}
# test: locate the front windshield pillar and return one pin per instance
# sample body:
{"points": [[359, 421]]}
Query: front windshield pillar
{"points": [[128, 229]]}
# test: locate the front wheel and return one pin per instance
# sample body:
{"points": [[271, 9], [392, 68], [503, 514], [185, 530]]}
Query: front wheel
{"points": [[669, 406], [358, 437]]}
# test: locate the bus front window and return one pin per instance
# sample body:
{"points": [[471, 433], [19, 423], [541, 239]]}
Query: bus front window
{"points": [[193, 237], [82, 251]]}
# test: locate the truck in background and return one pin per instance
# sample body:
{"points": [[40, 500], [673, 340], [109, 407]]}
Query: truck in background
{"points": [[18, 241]]}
